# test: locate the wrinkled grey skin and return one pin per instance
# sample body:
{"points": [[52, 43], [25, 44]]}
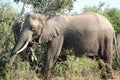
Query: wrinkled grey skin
{"points": [[85, 33]]}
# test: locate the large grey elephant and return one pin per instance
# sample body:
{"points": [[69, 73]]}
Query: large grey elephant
{"points": [[85, 33]]}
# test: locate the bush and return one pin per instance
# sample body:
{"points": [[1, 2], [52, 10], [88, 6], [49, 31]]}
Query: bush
{"points": [[82, 67], [20, 70]]}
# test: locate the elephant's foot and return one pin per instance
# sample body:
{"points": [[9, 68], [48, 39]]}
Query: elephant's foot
{"points": [[105, 75], [46, 77], [45, 74], [107, 72], [110, 73], [111, 76]]}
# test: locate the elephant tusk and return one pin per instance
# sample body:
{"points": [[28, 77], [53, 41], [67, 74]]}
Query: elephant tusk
{"points": [[23, 47]]}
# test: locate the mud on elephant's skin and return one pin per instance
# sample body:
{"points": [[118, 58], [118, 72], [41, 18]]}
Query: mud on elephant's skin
{"points": [[86, 33]]}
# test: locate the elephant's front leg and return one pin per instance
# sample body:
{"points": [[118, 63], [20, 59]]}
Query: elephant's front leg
{"points": [[53, 51]]}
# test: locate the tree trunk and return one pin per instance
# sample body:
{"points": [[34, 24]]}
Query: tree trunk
{"points": [[16, 29]]}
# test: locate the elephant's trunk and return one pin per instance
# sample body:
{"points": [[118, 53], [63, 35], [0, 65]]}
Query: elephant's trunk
{"points": [[18, 45], [21, 44]]}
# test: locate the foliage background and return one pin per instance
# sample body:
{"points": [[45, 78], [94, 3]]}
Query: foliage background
{"points": [[28, 65]]}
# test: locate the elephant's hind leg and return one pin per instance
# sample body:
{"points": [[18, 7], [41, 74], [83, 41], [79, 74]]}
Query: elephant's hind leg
{"points": [[108, 58], [105, 61], [101, 59]]}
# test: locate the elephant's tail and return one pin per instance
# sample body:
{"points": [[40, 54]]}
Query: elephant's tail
{"points": [[117, 57]]}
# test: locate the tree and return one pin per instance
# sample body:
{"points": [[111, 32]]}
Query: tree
{"points": [[97, 8], [113, 14], [7, 16], [50, 5]]}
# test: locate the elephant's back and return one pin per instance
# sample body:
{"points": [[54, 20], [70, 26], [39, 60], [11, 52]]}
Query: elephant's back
{"points": [[91, 23], [99, 21], [85, 32]]}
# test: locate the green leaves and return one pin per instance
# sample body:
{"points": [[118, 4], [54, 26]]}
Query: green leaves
{"points": [[7, 16], [113, 14], [50, 5], [33, 56], [97, 8]]}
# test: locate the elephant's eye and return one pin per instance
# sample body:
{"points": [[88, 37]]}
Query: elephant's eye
{"points": [[32, 28]]}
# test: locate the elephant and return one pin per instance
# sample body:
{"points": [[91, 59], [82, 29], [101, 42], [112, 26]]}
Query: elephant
{"points": [[85, 33]]}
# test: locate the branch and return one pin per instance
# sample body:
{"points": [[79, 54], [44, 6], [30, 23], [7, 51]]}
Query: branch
{"points": [[7, 39], [48, 4], [23, 10], [2, 20], [39, 1]]}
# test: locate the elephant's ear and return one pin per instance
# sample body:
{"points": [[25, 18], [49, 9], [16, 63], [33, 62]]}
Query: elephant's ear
{"points": [[52, 28]]}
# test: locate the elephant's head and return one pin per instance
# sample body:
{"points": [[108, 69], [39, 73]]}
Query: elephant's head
{"points": [[39, 26]]}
